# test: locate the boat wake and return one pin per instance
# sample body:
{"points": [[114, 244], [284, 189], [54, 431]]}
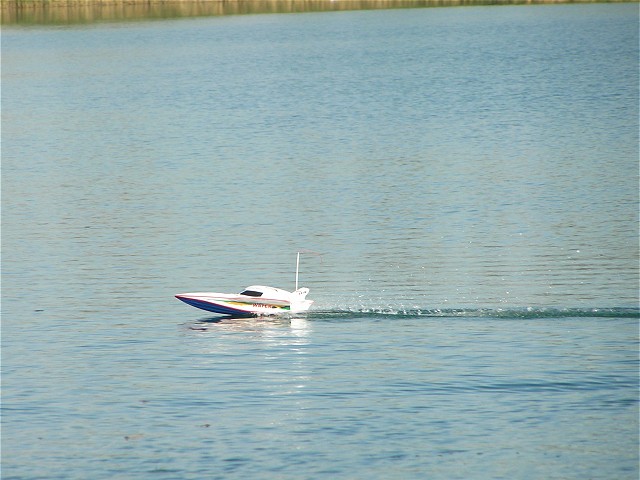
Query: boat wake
{"points": [[338, 314], [499, 313]]}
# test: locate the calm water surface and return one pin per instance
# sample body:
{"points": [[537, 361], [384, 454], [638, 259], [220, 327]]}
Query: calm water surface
{"points": [[468, 174]]}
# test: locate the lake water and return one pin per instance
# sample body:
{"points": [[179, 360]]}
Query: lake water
{"points": [[469, 175]]}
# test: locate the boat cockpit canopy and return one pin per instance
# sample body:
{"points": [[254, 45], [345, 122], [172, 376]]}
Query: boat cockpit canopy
{"points": [[251, 293], [266, 292]]}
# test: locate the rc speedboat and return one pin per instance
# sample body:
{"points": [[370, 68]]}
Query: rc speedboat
{"points": [[255, 300]]}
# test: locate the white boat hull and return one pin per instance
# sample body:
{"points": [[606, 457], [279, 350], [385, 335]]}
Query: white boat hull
{"points": [[242, 305], [255, 300]]}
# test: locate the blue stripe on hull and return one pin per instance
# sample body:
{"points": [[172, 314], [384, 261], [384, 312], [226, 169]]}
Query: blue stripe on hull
{"points": [[215, 308]]}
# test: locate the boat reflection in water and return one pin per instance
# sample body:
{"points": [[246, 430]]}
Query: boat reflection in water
{"points": [[266, 327], [276, 347]]}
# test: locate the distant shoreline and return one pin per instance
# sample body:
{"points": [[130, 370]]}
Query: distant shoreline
{"points": [[355, 4], [44, 12]]}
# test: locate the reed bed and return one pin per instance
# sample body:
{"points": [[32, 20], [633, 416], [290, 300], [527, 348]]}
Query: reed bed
{"points": [[88, 11]]}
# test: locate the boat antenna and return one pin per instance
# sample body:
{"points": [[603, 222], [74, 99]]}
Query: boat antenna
{"points": [[298, 261]]}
